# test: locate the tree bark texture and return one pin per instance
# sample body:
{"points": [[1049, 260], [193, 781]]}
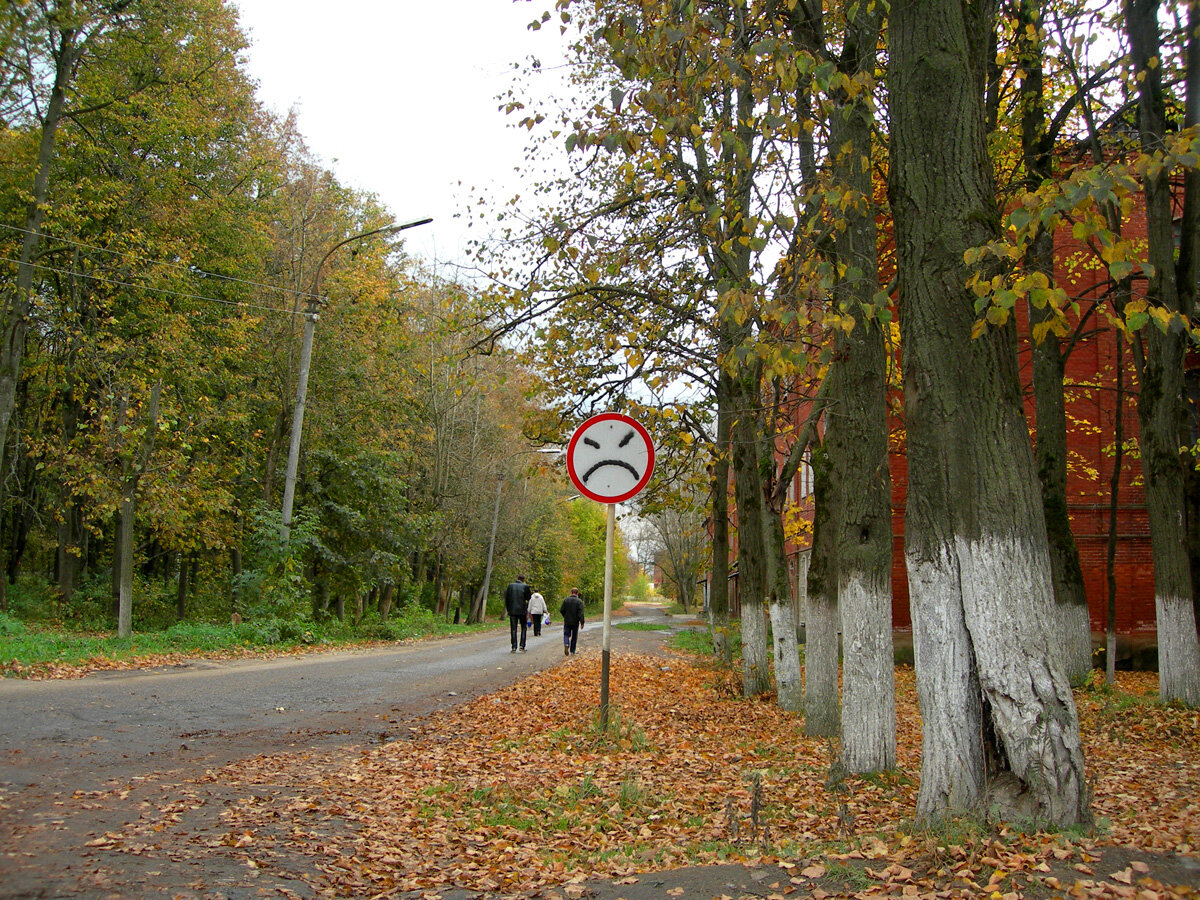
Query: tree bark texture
{"points": [[1000, 729], [822, 705], [718, 591], [1162, 414], [789, 683], [857, 436], [756, 659]]}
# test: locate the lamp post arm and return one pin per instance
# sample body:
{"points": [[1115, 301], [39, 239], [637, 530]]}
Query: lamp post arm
{"points": [[310, 322], [314, 295]]}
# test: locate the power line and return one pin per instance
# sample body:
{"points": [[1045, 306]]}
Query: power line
{"points": [[153, 290], [191, 270]]}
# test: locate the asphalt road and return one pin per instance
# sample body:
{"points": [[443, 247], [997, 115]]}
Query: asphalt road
{"points": [[104, 725], [81, 757]]}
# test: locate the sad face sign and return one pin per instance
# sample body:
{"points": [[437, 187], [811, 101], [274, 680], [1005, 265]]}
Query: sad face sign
{"points": [[610, 457]]}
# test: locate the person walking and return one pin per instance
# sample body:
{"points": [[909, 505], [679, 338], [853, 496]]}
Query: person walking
{"points": [[572, 619], [537, 610], [516, 604]]}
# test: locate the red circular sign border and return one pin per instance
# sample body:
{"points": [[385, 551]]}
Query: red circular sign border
{"points": [[637, 488]]}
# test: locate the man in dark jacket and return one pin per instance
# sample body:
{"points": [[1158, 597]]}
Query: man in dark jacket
{"points": [[516, 604], [572, 619]]}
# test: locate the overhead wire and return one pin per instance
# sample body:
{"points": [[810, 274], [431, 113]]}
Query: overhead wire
{"points": [[190, 270], [126, 284]]}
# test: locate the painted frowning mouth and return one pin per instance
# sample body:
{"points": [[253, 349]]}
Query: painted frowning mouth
{"points": [[619, 463]]}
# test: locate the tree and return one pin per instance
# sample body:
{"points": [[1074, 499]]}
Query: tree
{"points": [[150, 185], [1000, 730], [680, 543], [1038, 142], [1162, 415], [856, 432]]}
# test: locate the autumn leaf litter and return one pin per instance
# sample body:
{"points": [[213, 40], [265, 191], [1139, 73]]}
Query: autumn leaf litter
{"points": [[519, 793]]}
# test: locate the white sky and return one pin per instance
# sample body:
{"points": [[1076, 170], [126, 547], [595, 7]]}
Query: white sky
{"points": [[398, 98]]}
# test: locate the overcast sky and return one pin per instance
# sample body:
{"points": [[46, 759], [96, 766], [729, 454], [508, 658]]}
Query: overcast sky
{"points": [[398, 97]]}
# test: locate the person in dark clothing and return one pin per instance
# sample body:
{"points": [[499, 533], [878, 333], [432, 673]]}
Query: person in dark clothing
{"points": [[572, 619], [516, 604]]}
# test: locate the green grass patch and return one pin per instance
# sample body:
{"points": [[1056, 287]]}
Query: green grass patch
{"points": [[693, 641], [27, 648], [642, 626], [851, 877]]}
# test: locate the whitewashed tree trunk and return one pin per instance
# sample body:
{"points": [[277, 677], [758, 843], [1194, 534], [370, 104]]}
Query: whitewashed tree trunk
{"points": [[1161, 405], [1075, 626], [822, 705], [752, 552], [953, 776], [789, 686], [1001, 733], [868, 675], [756, 660]]}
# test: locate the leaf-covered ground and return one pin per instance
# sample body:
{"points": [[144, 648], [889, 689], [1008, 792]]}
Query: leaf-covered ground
{"points": [[519, 794]]}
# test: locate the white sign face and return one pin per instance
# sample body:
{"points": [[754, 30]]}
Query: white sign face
{"points": [[610, 457]]}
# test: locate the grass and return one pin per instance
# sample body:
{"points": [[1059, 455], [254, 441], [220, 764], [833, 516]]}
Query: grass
{"points": [[28, 649], [693, 641], [31, 646]]}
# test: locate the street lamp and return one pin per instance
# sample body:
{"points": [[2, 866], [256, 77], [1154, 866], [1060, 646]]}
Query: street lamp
{"points": [[310, 322]]}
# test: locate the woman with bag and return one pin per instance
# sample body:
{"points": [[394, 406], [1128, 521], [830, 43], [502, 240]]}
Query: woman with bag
{"points": [[537, 609]]}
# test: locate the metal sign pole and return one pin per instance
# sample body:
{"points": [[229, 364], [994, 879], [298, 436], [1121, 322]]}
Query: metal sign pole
{"points": [[610, 458], [606, 644]]}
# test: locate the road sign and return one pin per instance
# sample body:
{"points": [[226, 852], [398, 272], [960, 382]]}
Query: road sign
{"points": [[610, 457]]}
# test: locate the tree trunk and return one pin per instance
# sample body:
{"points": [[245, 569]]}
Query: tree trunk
{"points": [[181, 591], [134, 470], [789, 683], [385, 601], [124, 564], [857, 436], [822, 707], [1074, 625], [1000, 729], [718, 590], [235, 569], [440, 598], [479, 607], [1161, 411], [756, 659], [1050, 449], [16, 314], [1114, 495]]}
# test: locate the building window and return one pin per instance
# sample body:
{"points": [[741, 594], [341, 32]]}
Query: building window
{"points": [[802, 484]]}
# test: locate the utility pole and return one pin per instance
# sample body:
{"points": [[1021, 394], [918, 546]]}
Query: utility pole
{"points": [[315, 302], [289, 485]]}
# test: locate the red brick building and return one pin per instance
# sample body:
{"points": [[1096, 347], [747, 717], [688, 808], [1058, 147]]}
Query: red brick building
{"points": [[1092, 406]]}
